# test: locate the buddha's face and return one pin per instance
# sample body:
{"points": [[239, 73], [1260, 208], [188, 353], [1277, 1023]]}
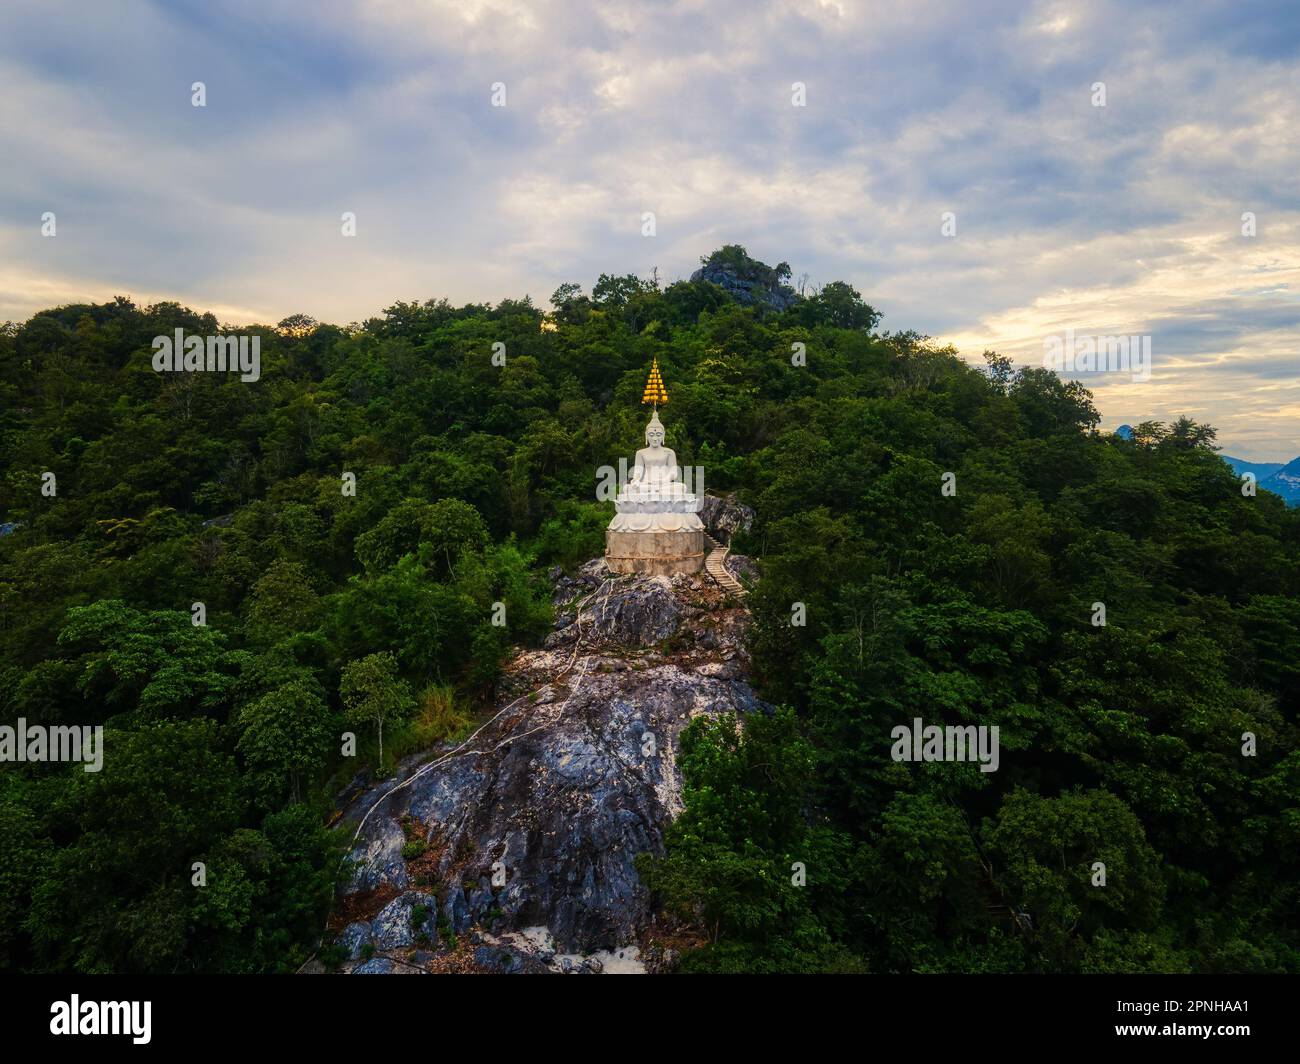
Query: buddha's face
{"points": [[654, 436]]}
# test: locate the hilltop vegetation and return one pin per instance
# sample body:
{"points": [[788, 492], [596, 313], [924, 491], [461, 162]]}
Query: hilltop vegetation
{"points": [[327, 611]]}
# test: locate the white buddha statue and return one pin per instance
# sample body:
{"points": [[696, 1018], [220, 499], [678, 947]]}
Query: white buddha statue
{"points": [[655, 499]]}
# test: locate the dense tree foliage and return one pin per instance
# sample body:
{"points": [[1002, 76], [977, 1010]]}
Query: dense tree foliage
{"points": [[327, 609]]}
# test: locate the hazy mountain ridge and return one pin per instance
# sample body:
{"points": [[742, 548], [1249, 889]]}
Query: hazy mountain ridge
{"points": [[1281, 478], [1260, 469], [1285, 482]]}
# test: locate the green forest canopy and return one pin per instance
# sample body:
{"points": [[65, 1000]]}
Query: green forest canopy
{"points": [[1121, 744]]}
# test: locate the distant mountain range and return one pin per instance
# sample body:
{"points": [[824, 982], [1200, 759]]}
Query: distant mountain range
{"points": [[1285, 482], [1281, 478], [1260, 469]]}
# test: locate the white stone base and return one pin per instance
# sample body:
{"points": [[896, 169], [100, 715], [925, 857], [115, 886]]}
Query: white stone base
{"points": [[655, 553]]}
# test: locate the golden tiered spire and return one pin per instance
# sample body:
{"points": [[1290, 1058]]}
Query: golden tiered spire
{"points": [[655, 392]]}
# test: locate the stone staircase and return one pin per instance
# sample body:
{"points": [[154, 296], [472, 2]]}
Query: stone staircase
{"points": [[715, 562]]}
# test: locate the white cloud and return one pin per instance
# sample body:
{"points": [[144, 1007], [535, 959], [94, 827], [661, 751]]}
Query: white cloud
{"points": [[1123, 217]]}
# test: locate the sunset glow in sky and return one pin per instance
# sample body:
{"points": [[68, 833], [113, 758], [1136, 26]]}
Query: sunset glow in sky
{"points": [[1117, 219]]}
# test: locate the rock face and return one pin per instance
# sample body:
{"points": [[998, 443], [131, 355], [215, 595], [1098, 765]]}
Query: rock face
{"points": [[723, 517], [354, 937], [744, 569], [748, 289], [533, 824], [641, 614], [408, 918]]}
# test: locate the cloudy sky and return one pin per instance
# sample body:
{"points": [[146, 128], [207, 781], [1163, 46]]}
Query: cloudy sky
{"points": [[1116, 219]]}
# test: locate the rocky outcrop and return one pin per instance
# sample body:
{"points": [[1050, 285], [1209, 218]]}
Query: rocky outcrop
{"points": [[748, 286], [355, 937], [723, 517], [640, 615], [533, 824], [408, 918]]}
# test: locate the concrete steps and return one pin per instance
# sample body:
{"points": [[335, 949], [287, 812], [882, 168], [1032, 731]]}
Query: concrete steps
{"points": [[715, 565]]}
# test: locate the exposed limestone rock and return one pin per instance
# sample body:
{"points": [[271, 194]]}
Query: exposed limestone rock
{"points": [[354, 937], [381, 860], [535, 821], [396, 925], [503, 960], [748, 289], [642, 614], [456, 909], [723, 517], [744, 569]]}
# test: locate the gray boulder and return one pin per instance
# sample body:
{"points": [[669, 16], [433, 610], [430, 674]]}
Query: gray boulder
{"points": [[748, 288], [455, 907], [501, 960], [639, 612], [354, 937], [743, 569], [498, 960], [395, 926], [379, 859], [374, 966], [723, 517], [481, 900]]}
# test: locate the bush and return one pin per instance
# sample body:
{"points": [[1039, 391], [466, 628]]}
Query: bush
{"points": [[438, 716], [574, 535]]}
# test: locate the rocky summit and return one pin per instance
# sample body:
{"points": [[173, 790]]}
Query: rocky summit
{"points": [[513, 851], [749, 282], [744, 290]]}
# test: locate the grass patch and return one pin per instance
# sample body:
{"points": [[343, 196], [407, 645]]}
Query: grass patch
{"points": [[440, 716]]}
